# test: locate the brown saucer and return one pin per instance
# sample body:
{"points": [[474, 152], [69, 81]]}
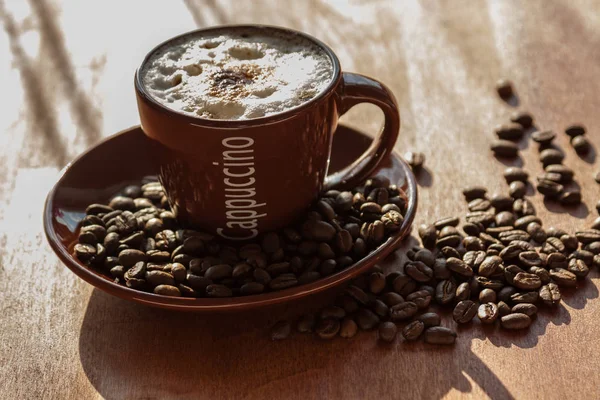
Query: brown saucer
{"points": [[126, 157]]}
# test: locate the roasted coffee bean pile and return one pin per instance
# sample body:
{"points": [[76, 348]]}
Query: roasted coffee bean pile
{"points": [[499, 266], [136, 239]]}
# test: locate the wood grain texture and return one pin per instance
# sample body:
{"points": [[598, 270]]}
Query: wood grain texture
{"points": [[66, 73]]}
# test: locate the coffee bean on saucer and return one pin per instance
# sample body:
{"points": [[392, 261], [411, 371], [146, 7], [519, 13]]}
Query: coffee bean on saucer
{"points": [[575, 130]]}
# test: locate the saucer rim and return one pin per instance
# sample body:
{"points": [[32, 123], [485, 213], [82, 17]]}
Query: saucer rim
{"points": [[236, 303]]}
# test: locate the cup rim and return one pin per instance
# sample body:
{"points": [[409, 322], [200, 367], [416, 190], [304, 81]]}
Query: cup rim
{"points": [[225, 123]]}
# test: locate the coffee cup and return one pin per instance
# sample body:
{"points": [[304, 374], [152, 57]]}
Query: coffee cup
{"points": [[243, 118]]}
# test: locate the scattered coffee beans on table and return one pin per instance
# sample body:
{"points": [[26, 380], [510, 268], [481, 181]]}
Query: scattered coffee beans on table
{"points": [[499, 266], [137, 240]]}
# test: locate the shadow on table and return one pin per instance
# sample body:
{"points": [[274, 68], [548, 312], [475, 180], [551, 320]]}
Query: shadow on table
{"points": [[137, 351]]}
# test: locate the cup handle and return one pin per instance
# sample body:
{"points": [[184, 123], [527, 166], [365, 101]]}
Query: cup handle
{"points": [[357, 89]]}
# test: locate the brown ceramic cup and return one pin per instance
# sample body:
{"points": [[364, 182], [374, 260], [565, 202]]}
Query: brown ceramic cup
{"points": [[239, 178]]}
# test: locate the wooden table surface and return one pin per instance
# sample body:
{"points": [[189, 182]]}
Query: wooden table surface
{"points": [[66, 81]]}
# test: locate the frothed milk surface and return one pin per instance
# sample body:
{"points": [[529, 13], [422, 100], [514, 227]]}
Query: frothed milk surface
{"points": [[237, 75]]}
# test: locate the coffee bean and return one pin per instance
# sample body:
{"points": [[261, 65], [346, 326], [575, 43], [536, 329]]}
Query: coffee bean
{"points": [[391, 299], [527, 281], [448, 231], [422, 298], [459, 267], [327, 328], [387, 331], [403, 311], [95, 209], [593, 247], [526, 297], [570, 198], [544, 138], [464, 311], [404, 284], [348, 328], [450, 252], [501, 202], [155, 278], [321, 231], [392, 221], [167, 290], [484, 218], [523, 118], [479, 205], [474, 192], [489, 266], [549, 188], [583, 255], [515, 234], [578, 267], [283, 281], [512, 131], [214, 290], [512, 174], [542, 273], [575, 130], [357, 294], [444, 222], [445, 292], [550, 294], [563, 277], [129, 257], [414, 159], [504, 89], [429, 319], [530, 259], [556, 260], [525, 308], [418, 271], [487, 296], [551, 156], [463, 291], [515, 321], [588, 236], [376, 282], [550, 176], [565, 172], [439, 335], [413, 330], [581, 144], [366, 319], [428, 235], [523, 207], [504, 148], [251, 288], [487, 312], [536, 232]]}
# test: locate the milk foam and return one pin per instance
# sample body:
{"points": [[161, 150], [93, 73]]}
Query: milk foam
{"points": [[237, 75]]}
